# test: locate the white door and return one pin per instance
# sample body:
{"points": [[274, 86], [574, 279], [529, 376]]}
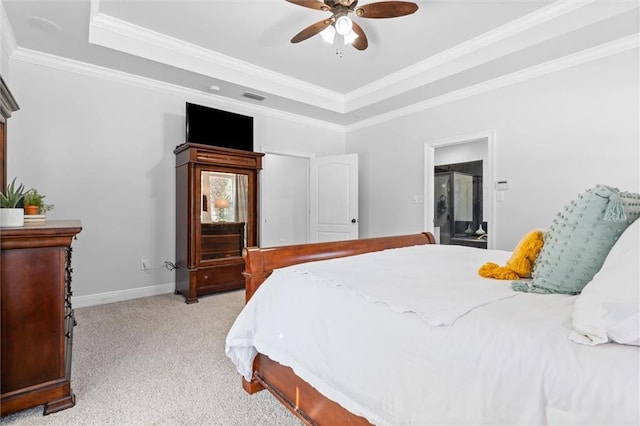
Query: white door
{"points": [[333, 192], [284, 206]]}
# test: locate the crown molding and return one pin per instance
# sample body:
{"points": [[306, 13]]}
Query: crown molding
{"points": [[64, 64], [107, 31], [7, 38], [503, 32], [588, 55], [578, 58], [518, 34], [95, 71], [554, 20]]}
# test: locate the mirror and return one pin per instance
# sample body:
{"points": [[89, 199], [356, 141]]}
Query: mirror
{"points": [[225, 200], [224, 197]]}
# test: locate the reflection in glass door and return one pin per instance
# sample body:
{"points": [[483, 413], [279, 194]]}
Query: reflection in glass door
{"points": [[224, 198], [442, 186], [453, 204]]}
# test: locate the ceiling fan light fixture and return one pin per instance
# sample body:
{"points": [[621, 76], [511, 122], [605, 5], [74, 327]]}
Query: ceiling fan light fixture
{"points": [[343, 25], [340, 22], [328, 34], [350, 37]]}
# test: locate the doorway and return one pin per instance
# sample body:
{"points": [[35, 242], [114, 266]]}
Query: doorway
{"points": [[479, 146], [304, 198], [284, 195], [458, 203]]}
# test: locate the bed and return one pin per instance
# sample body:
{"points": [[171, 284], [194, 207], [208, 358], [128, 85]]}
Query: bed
{"points": [[356, 332]]}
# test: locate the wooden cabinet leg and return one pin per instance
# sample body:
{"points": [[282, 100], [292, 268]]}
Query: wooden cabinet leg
{"points": [[251, 387], [60, 404]]}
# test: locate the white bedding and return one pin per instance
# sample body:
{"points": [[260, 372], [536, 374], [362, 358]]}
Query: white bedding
{"points": [[508, 361], [399, 278]]}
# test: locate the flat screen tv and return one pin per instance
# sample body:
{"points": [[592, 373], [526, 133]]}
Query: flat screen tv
{"points": [[210, 126]]}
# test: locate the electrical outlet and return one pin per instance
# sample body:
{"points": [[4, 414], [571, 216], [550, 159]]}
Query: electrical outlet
{"points": [[143, 264]]}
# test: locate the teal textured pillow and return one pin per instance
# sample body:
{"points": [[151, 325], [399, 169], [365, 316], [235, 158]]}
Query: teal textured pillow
{"points": [[579, 240]]}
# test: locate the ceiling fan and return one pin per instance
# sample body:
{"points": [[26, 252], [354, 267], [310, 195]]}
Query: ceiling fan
{"points": [[339, 22]]}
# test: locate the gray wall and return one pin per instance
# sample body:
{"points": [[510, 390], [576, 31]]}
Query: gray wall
{"points": [[100, 145], [556, 135]]}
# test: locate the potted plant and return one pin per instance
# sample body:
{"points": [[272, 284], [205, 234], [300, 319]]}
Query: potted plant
{"points": [[34, 203], [10, 214]]}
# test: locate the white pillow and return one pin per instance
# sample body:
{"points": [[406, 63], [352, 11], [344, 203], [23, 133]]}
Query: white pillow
{"points": [[608, 309]]}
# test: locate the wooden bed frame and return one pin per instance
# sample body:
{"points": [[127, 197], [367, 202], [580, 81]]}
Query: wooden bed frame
{"points": [[302, 399]]}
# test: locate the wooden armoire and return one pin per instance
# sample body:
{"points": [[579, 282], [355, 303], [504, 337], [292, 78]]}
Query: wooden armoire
{"points": [[216, 217]]}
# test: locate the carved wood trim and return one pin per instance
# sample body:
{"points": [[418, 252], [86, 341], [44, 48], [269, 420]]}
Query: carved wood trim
{"points": [[260, 262], [8, 105]]}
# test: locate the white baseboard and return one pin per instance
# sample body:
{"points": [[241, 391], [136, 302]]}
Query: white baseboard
{"points": [[122, 295]]}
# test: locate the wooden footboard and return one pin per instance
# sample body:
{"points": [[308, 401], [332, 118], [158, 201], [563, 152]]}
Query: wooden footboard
{"points": [[298, 396], [260, 262], [302, 399]]}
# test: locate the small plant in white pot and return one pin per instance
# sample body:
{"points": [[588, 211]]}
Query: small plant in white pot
{"points": [[10, 214]]}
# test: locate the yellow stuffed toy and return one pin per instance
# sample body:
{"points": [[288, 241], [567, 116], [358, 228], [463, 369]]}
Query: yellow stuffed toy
{"points": [[520, 265]]}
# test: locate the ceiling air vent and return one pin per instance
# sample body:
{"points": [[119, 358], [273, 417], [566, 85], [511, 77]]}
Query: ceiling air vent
{"points": [[253, 96]]}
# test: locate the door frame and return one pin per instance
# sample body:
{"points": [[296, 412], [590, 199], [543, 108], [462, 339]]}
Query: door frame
{"points": [[488, 191]]}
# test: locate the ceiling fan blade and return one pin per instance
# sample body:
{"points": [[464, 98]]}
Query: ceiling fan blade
{"points": [[311, 30], [311, 4], [361, 42], [386, 9]]}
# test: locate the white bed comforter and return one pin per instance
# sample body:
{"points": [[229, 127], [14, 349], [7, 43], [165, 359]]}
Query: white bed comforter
{"points": [[500, 361], [434, 284]]}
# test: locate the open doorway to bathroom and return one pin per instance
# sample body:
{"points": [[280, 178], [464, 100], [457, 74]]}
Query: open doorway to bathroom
{"points": [[464, 148], [458, 204]]}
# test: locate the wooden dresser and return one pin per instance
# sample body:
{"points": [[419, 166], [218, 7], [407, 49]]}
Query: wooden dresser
{"points": [[37, 316]]}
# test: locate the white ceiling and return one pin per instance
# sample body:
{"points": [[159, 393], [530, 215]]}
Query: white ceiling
{"points": [[446, 47]]}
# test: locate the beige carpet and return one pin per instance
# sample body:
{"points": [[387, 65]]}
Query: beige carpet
{"points": [[158, 361]]}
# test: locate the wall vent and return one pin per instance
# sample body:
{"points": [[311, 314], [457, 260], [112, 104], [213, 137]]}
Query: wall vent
{"points": [[253, 96]]}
